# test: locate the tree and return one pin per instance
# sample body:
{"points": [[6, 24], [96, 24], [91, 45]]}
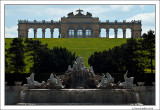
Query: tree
{"points": [[47, 60], [7, 66], [132, 57], [119, 59], [54, 60], [62, 58], [33, 49], [148, 46], [16, 56]]}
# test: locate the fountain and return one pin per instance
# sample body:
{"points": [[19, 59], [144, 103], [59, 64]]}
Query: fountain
{"points": [[79, 85]]}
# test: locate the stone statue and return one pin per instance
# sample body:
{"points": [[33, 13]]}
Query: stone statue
{"points": [[91, 69], [106, 81], [103, 81], [69, 69], [52, 79], [88, 14], [32, 78], [75, 65], [31, 82], [110, 79], [128, 81], [70, 14], [59, 83], [103, 78]]}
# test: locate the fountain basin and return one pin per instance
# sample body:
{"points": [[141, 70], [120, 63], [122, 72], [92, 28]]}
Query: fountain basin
{"points": [[79, 96]]}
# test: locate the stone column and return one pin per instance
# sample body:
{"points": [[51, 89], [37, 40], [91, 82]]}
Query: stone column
{"points": [[59, 34], [75, 33], [84, 34], [132, 33], [91, 33], [26, 33], [51, 33], [43, 33], [68, 34], [35, 33], [115, 33], [107, 33], [124, 33]]}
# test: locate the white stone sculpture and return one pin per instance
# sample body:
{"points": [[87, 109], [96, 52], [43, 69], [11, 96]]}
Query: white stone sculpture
{"points": [[31, 82], [52, 79], [75, 65], [106, 81], [55, 80], [36, 83], [91, 70], [59, 83], [128, 82], [69, 69], [110, 79]]}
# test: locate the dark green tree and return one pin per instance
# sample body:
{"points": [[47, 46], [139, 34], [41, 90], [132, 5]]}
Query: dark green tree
{"points": [[16, 56], [55, 60], [47, 60], [33, 49], [7, 67], [119, 59], [62, 58], [132, 58], [148, 47]]}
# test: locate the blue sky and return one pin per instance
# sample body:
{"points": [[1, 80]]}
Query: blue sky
{"points": [[13, 13]]}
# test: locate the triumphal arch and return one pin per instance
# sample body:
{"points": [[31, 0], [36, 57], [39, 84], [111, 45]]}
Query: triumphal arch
{"points": [[79, 26]]}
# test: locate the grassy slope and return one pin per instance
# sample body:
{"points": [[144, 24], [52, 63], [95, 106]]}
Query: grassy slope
{"points": [[81, 46]]}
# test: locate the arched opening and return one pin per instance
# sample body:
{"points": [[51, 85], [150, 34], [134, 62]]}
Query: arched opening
{"points": [[103, 33], [56, 33], [48, 33], [88, 33], [71, 33], [120, 33], [79, 33], [128, 33], [111, 33], [31, 33], [39, 33]]}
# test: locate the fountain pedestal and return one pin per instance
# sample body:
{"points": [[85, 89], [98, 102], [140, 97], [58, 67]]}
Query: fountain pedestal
{"points": [[80, 96]]}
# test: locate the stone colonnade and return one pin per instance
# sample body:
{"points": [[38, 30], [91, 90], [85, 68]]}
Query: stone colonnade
{"points": [[43, 33], [116, 33], [64, 28]]}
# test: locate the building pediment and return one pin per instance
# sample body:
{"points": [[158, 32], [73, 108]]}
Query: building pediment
{"points": [[79, 14]]}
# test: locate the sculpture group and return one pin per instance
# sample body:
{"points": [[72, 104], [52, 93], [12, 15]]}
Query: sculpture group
{"points": [[79, 77]]}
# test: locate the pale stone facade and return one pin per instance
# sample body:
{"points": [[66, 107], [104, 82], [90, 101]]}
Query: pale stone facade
{"points": [[79, 26]]}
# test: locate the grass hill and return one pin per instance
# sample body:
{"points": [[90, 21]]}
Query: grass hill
{"points": [[81, 46]]}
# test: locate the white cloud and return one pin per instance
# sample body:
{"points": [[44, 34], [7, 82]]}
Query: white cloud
{"points": [[123, 8], [8, 35], [147, 18], [11, 32], [145, 29], [11, 29], [148, 21]]}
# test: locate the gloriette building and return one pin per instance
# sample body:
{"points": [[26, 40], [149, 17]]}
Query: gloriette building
{"points": [[79, 26]]}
